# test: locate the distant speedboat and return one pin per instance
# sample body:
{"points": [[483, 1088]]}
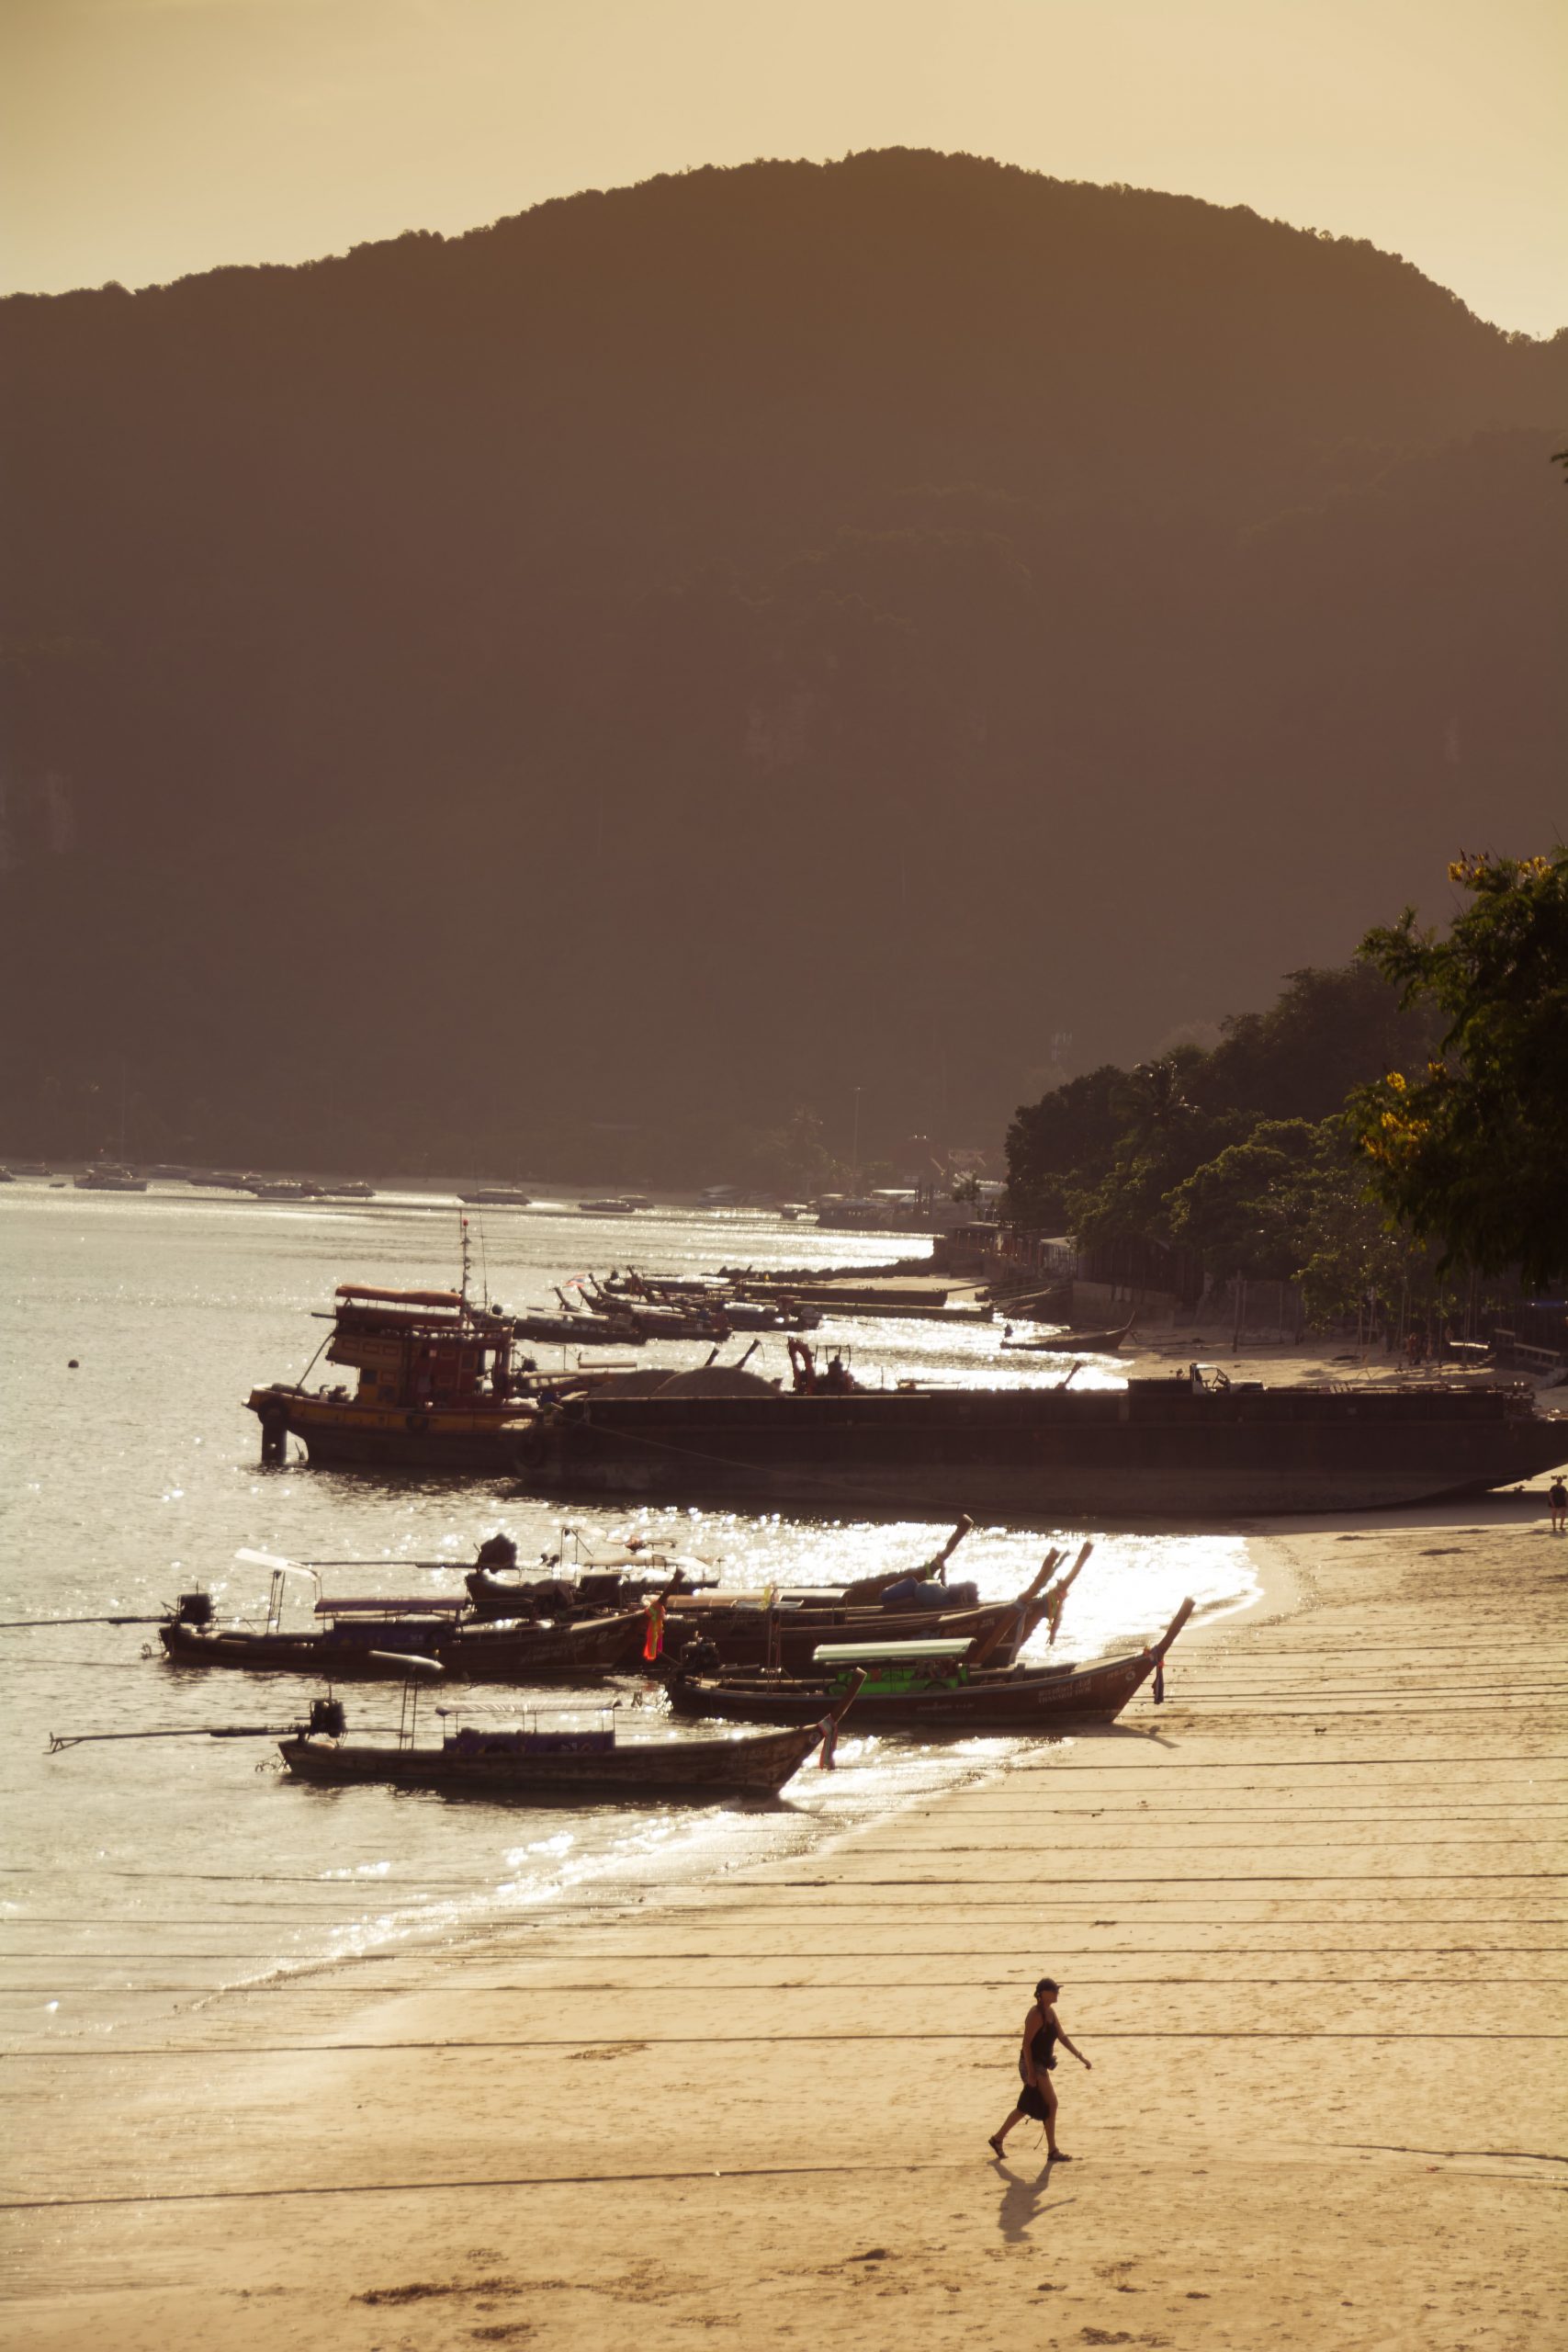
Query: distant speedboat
{"points": [[608, 1208], [496, 1197], [110, 1180], [356, 1189], [282, 1188]]}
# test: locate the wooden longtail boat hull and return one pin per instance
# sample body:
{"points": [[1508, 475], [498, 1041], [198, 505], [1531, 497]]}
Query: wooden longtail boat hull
{"points": [[695, 1770], [1020, 1702], [528, 1654], [1086, 1343], [742, 1637], [1026, 1700]]}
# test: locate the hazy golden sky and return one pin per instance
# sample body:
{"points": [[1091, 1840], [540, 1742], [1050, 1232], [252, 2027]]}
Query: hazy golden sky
{"points": [[144, 139]]}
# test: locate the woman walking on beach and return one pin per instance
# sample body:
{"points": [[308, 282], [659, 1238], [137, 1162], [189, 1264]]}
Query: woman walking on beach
{"points": [[1041, 2031]]}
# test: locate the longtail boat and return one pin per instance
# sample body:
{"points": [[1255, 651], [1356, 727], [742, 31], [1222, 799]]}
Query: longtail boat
{"points": [[631, 1572], [375, 1647], [1084, 1343], [932, 1688], [553, 1765], [374, 1640], [742, 1630]]}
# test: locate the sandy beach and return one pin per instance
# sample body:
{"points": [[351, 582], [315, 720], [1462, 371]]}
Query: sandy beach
{"points": [[1309, 1920]]}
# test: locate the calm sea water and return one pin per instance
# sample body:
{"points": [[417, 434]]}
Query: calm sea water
{"points": [[140, 1877]]}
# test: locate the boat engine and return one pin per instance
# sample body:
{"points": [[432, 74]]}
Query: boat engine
{"points": [[328, 1718], [194, 1609]]}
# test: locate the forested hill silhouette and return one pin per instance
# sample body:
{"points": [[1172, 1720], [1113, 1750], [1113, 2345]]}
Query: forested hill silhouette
{"points": [[706, 647]]}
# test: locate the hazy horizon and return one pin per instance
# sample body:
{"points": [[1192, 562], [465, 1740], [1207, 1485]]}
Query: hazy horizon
{"points": [[149, 139]]}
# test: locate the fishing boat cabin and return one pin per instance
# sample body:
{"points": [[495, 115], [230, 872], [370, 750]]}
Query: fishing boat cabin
{"points": [[440, 1385], [420, 1348]]}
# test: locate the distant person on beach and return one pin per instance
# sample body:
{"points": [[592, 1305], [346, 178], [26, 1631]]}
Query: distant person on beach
{"points": [[1041, 2031], [1557, 1495]]}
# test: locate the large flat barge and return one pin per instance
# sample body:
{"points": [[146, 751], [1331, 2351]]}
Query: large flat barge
{"points": [[1159, 1448]]}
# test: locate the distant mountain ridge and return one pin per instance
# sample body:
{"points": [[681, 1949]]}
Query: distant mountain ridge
{"points": [[720, 642]]}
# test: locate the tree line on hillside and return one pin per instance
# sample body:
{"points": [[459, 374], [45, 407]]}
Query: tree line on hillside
{"points": [[1383, 1131]]}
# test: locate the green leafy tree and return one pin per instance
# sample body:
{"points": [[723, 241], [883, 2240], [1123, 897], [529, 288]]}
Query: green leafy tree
{"points": [[1151, 1101], [1474, 1154], [1245, 1211], [1348, 1257], [1127, 1205], [1330, 1029], [1063, 1143]]}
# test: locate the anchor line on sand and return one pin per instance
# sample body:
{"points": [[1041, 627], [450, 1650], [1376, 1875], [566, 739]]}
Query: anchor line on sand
{"points": [[767, 2041], [1325, 2155]]}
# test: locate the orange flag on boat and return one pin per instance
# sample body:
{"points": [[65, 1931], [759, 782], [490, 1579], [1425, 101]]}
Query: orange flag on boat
{"points": [[655, 1640]]}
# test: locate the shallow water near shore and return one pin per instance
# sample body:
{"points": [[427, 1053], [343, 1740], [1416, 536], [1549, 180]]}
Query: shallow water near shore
{"points": [[140, 1878]]}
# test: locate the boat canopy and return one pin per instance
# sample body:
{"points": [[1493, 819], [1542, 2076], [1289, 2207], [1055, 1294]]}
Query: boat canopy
{"points": [[431, 1605], [399, 1298], [873, 1653]]}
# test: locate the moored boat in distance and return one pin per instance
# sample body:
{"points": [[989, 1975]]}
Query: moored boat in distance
{"points": [[281, 1188], [496, 1197], [105, 1177], [1083, 1343]]}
